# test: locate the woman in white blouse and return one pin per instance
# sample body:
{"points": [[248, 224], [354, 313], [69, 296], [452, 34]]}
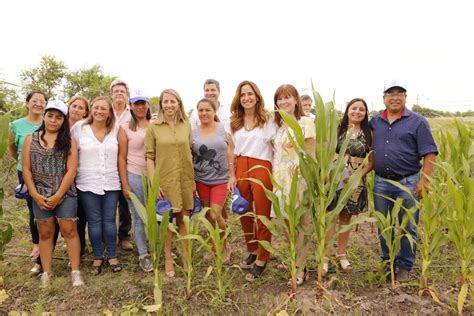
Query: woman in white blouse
{"points": [[97, 181], [251, 131]]}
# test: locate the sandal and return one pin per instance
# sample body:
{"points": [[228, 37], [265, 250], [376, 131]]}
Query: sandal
{"points": [[169, 271], [301, 277], [248, 263], [97, 269], [117, 267], [36, 270], [255, 272], [282, 265], [345, 265]]}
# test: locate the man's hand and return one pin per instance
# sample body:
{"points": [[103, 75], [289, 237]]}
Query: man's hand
{"points": [[422, 183]]}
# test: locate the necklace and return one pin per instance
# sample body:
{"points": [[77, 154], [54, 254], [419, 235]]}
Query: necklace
{"points": [[248, 127]]}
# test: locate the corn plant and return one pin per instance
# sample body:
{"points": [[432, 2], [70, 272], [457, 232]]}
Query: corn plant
{"points": [[192, 229], [322, 171], [289, 223], [393, 231], [6, 229], [218, 240], [156, 237], [459, 200]]}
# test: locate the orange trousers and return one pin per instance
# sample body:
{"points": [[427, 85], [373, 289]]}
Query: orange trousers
{"points": [[254, 229]]}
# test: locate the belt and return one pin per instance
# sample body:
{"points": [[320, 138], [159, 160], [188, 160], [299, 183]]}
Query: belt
{"points": [[396, 177]]}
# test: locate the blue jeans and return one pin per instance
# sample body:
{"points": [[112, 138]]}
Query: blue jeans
{"points": [[135, 183], [405, 258], [101, 213]]}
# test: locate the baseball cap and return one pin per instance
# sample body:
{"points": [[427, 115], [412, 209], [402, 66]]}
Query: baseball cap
{"points": [[57, 105], [239, 204], [21, 191], [161, 206], [138, 95], [394, 83]]}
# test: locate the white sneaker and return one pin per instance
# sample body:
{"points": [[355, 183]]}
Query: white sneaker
{"points": [[45, 279], [76, 278]]}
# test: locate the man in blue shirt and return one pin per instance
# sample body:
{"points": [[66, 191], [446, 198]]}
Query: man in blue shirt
{"points": [[401, 139]]}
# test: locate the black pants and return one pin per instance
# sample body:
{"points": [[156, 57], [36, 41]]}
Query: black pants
{"points": [[125, 220]]}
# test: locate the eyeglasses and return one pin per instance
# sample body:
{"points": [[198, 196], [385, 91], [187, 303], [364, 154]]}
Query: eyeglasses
{"points": [[38, 102], [395, 94]]}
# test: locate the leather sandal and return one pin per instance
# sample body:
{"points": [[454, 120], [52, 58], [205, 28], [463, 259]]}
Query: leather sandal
{"points": [[248, 263], [255, 272], [117, 267], [301, 277], [345, 265], [97, 269]]}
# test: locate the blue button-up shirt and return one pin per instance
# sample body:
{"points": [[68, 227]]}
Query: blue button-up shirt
{"points": [[399, 147]]}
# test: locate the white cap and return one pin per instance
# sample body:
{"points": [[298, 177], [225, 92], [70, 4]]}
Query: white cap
{"points": [[138, 95], [394, 83], [57, 105]]}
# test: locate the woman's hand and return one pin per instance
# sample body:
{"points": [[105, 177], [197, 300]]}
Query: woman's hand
{"points": [[126, 191], [161, 194], [41, 201], [231, 184], [54, 200]]}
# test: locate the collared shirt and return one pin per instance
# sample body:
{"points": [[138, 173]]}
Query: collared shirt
{"points": [[97, 170], [223, 113], [400, 145], [125, 117]]}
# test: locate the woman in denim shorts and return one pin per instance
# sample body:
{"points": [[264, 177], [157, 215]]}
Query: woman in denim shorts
{"points": [[49, 166]]}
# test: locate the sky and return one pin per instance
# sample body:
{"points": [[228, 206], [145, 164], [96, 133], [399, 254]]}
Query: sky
{"points": [[347, 48]]}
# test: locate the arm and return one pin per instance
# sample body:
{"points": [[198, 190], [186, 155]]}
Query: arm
{"points": [[68, 179], [427, 170], [122, 162], [28, 176], [231, 160], [311, 145], [12, 146]]}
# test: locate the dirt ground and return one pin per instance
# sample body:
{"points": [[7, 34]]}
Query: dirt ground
{"points": [[364, 291]]}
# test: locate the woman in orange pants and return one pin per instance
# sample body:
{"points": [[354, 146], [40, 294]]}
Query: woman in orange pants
{"points": [[251, 130]]}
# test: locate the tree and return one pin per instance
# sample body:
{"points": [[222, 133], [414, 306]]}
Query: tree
{"points": [[9, 100], [47, 77], [88, 82]]}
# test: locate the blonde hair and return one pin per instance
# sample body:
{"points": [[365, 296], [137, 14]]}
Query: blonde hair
{"points": [[180, 115], [109, 124]]}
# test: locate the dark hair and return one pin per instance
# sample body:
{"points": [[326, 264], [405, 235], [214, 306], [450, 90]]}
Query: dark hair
{"points": [[132, 125], [33, 92], [212, 81], [213, 106], [364, 125], [63, 140]]}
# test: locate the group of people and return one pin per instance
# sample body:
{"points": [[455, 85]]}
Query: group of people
{"points": [[83, 160]]}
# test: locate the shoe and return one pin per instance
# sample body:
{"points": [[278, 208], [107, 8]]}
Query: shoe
{"points": [[345, 265], [248, 263], [34, 253], [126, 244], [45, 279], [115, 267], [169, 268], [255, 272], [282, 265], [403, 275], [76, 278], [301, 277], [97, 269], [36, 270], [208, 257], [145, 263]]}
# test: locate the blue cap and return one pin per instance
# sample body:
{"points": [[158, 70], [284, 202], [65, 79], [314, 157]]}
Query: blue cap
{"points": [[239, 204], [138, 95], [161, 206]]}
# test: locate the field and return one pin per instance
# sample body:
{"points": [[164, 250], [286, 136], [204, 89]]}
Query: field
{"points": [[364, 291]]}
